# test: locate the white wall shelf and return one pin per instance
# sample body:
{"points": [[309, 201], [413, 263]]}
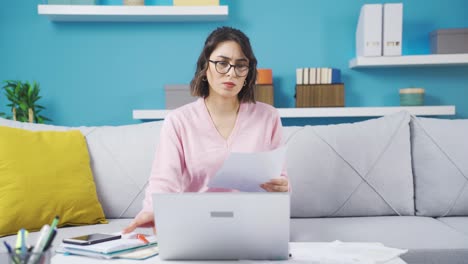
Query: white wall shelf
{"points": [[103, 13], [330, 111], [413, 60]]}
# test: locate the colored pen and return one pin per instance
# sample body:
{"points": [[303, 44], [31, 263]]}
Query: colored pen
{"points": [[44, 241], [23, 243], [54, 222], [52, 231], [49, 242], [10, 251], [8, 247], [142, 238], [41, 243], [38, 247]]}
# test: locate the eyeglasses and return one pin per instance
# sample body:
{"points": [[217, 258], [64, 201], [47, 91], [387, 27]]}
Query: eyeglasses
{"points": [[224, 67]]}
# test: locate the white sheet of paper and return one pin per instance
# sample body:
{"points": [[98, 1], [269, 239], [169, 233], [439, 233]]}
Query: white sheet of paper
{"points": [[246, 171]]}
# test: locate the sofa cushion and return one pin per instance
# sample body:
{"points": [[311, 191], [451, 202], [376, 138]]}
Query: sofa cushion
{"points": [[44, 174], [121, 159], [427, 239], [359, 169], [459, 223], [440, 151]]}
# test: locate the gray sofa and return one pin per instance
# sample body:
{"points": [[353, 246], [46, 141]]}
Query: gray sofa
{"points": [[399, 180]]}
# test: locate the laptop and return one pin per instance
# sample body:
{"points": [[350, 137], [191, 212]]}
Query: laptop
{"points": [[222, 226]]}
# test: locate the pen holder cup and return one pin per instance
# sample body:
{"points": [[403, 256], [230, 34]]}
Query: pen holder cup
{"points": [[30, 257]]}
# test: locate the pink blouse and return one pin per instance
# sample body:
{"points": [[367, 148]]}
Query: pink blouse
{"points": [[191, 150]]}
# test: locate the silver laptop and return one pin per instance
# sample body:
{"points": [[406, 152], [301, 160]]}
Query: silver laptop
{"points": [[222, 226]]}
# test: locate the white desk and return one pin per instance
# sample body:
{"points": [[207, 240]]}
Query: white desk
{"points": [[295, 248]]}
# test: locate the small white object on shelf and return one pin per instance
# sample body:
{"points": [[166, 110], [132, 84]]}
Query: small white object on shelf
{"points": [[114, 13], [412, 60], [369, 31], [392, 29], [330, 111]]}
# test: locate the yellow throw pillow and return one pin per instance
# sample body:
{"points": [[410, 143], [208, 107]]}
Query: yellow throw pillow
{"points": [[44, 174]]}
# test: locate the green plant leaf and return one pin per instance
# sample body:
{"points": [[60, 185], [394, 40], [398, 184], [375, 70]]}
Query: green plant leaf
{"points": [[23, 96], [30, 91], [23, 106], [45, 118]]}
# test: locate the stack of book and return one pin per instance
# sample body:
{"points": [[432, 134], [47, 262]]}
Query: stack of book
{"points": [[317, 76], [319, 87], [124, 248], [379, 30]]}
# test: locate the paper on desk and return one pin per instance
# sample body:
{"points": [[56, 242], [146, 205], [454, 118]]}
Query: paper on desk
{"points": [[338, 252], [246, 171]]}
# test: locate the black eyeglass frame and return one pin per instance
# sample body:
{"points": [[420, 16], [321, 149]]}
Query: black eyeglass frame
{"points": [[229, 68]]}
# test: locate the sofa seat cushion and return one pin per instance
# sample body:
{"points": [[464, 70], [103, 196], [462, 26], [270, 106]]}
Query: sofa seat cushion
{"points": [[428, 240], [358, 169], [459, 223]]}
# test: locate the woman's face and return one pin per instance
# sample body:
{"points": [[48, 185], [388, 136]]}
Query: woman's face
{"points": [[224, 80]]}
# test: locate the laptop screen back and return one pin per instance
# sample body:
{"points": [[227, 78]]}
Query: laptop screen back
{"points": [[222, 226]]}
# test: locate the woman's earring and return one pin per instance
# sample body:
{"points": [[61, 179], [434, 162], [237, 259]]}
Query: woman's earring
{"points": [[245, 82], [204, 79]]}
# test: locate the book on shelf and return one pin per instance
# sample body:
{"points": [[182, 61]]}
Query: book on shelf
{"points": [[392, 29], [312, 75], [369, 31], [324, 76], [299, 76], [335, 76], [196, 2], [305, 76]]}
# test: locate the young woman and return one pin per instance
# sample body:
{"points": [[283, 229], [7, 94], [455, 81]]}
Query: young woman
{"points": [[196, 138]]}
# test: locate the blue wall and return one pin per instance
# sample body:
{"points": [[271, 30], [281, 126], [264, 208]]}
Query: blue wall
{"points": [[97, 73]]}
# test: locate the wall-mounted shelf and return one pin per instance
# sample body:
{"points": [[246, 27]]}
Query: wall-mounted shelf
{"points": [[330, 111], [414, 60], [103, 13]]}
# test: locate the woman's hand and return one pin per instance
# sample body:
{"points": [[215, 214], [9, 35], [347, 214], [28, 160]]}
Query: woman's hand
{"points": [[280, 184], [145, 219]]}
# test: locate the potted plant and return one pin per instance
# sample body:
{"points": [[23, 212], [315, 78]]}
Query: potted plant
{"points": [[23, 99]]}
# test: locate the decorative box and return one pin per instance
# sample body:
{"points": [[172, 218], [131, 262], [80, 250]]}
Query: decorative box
{"points": [[320, 95], [264, 93], [178, 95], [134, 2], [411, 96], [264, 76], [449, 41]]}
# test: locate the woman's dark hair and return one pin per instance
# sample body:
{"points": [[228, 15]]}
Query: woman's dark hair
{"points": [[199, 85]]}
